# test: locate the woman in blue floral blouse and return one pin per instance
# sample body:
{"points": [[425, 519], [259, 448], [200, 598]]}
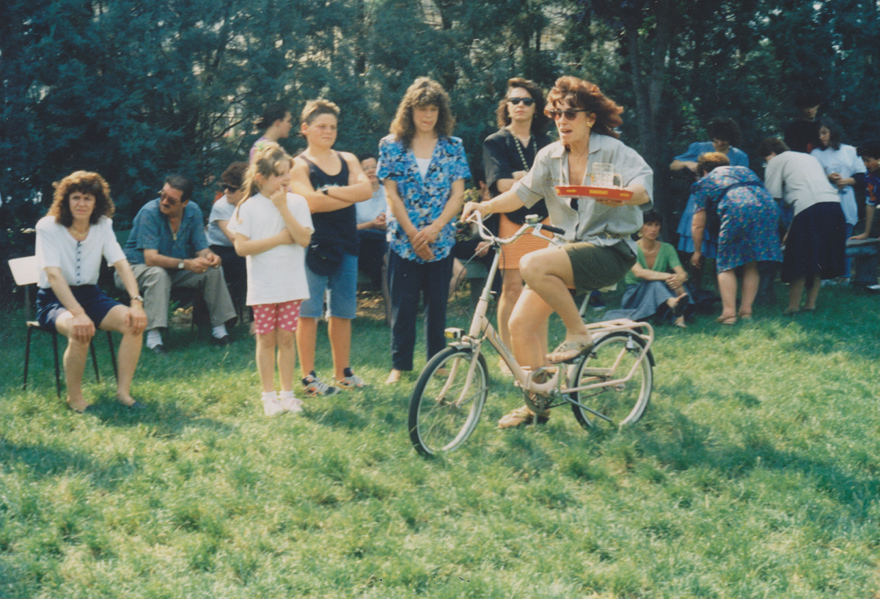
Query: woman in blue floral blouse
{"points": [[423, 169]]}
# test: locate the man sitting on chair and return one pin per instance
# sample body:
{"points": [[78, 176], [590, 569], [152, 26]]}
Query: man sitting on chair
{"points": [[167, 248]]}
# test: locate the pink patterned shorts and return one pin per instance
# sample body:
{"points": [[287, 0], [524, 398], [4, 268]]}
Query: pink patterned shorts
{"points": [[269, 317]]}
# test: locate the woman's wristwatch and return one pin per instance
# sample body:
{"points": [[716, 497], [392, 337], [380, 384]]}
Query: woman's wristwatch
{"points": [[138, 298]]}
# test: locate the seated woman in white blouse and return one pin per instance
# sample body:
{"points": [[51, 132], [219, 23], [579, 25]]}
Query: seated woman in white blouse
{"points": [[71, 239]]}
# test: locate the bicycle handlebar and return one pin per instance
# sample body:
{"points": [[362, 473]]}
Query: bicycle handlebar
{"points": [[536, 228]]}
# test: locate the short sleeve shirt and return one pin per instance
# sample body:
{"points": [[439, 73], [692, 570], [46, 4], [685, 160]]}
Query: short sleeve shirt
{"points": [[798, 179], [220, 210], [278, 274], [79, 261], [872, 185], [368, 210], [424, 198], [736, 156], [151, 231], [592, 222]]}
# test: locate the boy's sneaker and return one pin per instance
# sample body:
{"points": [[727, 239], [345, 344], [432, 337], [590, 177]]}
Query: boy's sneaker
{"points": [[271, 405], [290, 402], [315, 387], [350, 382]]}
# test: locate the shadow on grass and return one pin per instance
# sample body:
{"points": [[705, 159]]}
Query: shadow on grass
{"points": [[695, 446]]}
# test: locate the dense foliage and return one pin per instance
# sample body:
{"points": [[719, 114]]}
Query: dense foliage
{"points": [[135, 90]]}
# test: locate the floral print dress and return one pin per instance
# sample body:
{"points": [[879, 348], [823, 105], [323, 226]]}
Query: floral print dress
{"points": [[749, 216]]}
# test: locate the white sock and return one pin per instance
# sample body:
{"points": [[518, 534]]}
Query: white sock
{"points": [[269, 396], [154, 338], [219, 331]]}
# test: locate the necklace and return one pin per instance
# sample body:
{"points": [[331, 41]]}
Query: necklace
{"points": [[76, 234], [519, 149]]}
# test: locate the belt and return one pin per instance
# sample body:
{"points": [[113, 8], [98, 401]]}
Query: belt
{"points": [[606, 235]]}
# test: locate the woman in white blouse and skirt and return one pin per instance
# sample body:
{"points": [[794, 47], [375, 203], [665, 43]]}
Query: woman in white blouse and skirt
{"points": [[71, 239]]}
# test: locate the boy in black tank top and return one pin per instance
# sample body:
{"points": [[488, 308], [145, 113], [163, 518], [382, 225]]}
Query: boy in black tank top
{"points": [[331, 199]]}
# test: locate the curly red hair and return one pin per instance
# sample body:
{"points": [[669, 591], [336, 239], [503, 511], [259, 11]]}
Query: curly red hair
{"points": [[583, 94]]}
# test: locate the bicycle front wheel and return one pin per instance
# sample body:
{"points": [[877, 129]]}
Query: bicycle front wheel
{"points": [[446, 404], [621, 360]]}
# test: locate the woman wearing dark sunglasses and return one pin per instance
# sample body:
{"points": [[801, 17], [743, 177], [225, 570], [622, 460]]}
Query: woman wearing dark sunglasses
{"points": [[220, 238], [508, 154], [602, 251]]}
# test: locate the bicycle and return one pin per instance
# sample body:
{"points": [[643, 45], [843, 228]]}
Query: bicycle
{"points": [[608, 387]]}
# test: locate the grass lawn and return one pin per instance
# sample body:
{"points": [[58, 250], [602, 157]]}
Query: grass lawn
{"points": [[754, 473]]}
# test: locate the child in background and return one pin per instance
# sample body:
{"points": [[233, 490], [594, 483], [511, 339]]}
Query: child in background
{"points": [[272, 227]]}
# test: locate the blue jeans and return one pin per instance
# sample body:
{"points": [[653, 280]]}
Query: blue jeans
{"points": [[409, 280]]}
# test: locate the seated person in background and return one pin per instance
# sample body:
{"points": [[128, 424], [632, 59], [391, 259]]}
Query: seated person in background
{"points": [[167, 248], [220, 238], [372, 246], [869, 152], [655, 285], [71, 239]]}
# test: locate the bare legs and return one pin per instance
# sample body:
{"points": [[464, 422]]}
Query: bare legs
{"points": [[306, 339], [529, 318], [549, 275], [511, 289], [266, 344], [751, 280], [727, 287], [76, 354], [339, 331], [796, 289]]}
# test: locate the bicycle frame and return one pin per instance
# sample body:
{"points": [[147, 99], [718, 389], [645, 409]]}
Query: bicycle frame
{"points": [[481, 330]]}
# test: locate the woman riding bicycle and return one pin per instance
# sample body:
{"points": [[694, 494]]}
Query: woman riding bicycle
{"points": [[602, 251]]}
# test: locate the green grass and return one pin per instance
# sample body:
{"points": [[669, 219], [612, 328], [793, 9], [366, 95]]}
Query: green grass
{"points": [[754, 473]]}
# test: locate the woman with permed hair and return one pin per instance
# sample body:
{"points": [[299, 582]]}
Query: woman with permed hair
{"points": [[423, 169], [508, 154], [601, 251], [71, 239]]}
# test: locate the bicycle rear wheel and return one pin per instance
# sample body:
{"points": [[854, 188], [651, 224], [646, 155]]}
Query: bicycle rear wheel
{"points": [[613, 358], [446, 404]]}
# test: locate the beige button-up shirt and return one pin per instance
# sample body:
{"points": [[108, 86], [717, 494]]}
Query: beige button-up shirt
{"points": [[593, 222]]}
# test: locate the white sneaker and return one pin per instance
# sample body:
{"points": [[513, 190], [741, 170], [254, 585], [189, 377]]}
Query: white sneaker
{"points": [[271, 405], [290, 403]]}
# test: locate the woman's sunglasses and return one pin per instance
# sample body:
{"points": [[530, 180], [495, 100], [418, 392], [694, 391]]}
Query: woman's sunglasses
{"points": [[569, 115], [526, 101], [230, 188]]}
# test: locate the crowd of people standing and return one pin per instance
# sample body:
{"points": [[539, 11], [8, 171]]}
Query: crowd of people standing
{"points": [[288, 233]]}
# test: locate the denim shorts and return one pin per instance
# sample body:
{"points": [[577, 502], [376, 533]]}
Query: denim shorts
{"points": [[94, 301], [342, 287]]}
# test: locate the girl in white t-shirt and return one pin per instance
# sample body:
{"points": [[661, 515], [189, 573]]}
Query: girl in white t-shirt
{"points": [[272, 228]]}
